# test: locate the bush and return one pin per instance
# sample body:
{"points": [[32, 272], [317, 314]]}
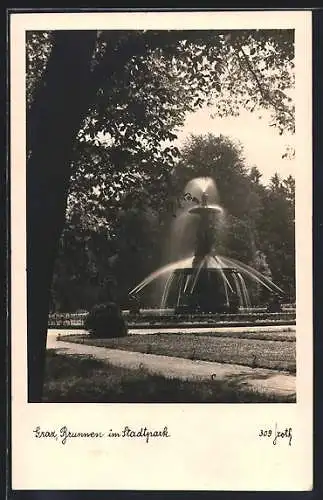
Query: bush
{"points": [[106, 321]]}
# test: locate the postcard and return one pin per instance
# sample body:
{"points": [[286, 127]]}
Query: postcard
{"points": [[161, 250]]}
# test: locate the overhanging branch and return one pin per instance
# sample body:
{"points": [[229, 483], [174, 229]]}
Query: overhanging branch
{"points": [[265, 95]]}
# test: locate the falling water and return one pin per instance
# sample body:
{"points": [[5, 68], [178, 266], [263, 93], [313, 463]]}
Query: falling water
{"points": [[181, 239], [184, 228], [252, 273], [200, 274], [200, 185], [161, 272]]}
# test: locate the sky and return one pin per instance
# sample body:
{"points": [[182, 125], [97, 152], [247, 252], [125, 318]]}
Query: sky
{"points": [[262, 144]]}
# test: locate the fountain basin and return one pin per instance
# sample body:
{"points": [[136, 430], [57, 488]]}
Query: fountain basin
{"points": [[205, 209], [203, 290], [205, 282]]}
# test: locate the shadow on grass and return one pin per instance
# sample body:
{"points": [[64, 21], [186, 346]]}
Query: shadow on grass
{"points": [[83, 379]]}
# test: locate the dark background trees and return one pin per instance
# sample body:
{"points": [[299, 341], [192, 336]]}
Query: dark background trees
{"points": [[258, 227], [103, 109]]}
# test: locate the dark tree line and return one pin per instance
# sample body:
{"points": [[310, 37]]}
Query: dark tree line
{"points": [[101, 260]]}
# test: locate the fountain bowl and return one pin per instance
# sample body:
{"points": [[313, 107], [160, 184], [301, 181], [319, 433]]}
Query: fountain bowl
{"points": [[205, 209], [203, 290]]}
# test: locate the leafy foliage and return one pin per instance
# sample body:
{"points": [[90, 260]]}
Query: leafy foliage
{"points": [[277, 231], [124, 187], [222, 159], [38, 49], [115, 99], [258, 227], [144, 83]]}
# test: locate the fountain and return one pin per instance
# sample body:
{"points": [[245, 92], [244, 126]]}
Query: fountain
{"points": [[203, 282]]}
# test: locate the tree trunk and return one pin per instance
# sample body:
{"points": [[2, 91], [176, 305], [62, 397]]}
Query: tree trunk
{"points": [[61, 101]]}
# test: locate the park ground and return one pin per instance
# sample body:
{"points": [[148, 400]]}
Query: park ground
{"points": [[255, 366]]}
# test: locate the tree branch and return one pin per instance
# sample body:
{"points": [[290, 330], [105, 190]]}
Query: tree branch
{"points": [[264, 95]]}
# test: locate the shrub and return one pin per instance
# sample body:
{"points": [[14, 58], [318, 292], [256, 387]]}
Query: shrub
{"points": [[106, 321]]}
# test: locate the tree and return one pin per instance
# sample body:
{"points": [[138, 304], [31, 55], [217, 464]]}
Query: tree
{"points": [[136, 88], [277, 231], [258, 227], [53, 119], [136, 239], [157, 77], [222, 159], [255, 175]]}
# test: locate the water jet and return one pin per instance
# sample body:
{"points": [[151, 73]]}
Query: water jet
{"points": [[204, 282]]}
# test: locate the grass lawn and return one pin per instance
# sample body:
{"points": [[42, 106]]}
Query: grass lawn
{"points": [[77, 379], [272, 354]]}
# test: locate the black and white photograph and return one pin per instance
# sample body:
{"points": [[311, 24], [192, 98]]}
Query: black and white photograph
{"points": [[162, 264], [174, 273]]}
